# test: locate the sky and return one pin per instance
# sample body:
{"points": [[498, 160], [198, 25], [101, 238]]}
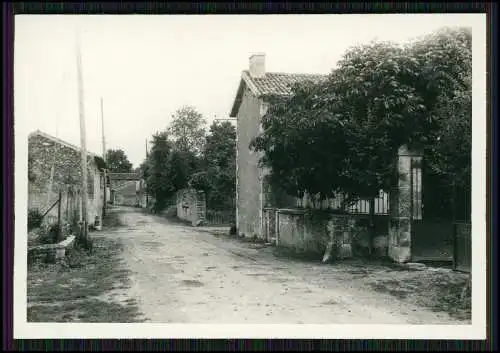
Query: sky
{"points": [[145, 67]]}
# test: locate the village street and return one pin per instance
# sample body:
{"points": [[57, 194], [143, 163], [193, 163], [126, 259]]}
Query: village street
{"points": [[183, 274]]}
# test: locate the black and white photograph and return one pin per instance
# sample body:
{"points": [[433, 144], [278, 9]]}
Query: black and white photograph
{"points": [[307, 176]]}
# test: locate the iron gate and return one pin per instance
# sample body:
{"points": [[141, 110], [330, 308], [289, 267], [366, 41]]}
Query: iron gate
{"points": [[431, 216]]}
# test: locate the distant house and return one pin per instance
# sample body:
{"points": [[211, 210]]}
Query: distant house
{"points": [[127, 189], [250, 104], [55, 165]]}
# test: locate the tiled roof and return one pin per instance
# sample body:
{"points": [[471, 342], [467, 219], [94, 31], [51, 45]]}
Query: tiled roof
{"points": [[277, 83], [272, 83], [124, 176]]}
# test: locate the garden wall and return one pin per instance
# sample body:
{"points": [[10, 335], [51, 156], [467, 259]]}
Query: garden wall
{"points": [[312, 231], [190, 205]]}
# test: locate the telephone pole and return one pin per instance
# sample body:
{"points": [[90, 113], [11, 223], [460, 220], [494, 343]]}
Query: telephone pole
{"points": [[104, 158], [82, 142]]}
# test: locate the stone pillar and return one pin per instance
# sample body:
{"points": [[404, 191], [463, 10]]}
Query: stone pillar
{"points": [[199, 204], [401, 210]]}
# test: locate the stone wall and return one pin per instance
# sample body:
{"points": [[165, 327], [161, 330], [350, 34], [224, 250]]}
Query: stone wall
{"points": [[191, 206], [313, 231], [45, 152]]}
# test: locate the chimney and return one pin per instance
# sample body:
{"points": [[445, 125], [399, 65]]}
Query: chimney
{"points": [[257, 65]]}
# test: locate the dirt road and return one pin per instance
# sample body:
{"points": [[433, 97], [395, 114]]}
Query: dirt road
{"points": [[182, 274]]}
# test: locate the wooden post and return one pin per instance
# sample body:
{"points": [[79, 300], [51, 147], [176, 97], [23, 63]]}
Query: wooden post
{"points": [[81, 101], [59, 220]]}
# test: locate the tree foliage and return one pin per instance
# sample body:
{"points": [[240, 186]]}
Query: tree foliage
{"points": [[187, 130], [343, 133], [155, 170], [217, 177], [170, 167], [174, 156], [445, 58], [117, 161]]}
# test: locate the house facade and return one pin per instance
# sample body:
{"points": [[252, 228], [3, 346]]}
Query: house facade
{"points": [[259, 215], [249, 106], [54, 166], [127, 189]]}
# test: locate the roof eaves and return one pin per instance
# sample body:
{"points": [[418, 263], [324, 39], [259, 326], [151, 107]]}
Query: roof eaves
{"points": [[237, 99], [253, 87], [246, 81]]}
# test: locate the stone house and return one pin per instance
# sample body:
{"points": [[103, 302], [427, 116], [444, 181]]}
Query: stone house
{"points": [[260, 215], [250, 104], [127, 189], [48, 154]]}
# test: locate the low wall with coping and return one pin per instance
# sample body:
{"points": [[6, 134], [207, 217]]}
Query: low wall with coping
{"points": [[51, 252], [326, 233]]}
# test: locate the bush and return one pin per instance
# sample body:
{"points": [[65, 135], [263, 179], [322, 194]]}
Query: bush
{"points": [[49, 234], [34, 219]]}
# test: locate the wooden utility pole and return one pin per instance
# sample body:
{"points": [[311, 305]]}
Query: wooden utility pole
{"points": [[82, 142], [104, 158]]}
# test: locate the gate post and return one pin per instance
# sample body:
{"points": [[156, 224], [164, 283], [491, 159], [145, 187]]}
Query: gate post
{"points": [[401, 207]]}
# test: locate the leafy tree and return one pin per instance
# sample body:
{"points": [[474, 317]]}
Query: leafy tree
{"points": [[217, 177], [117, 161], [187, 130], [445, 82], [181, 165], [156, 170], [167, 169], [343, 134]]}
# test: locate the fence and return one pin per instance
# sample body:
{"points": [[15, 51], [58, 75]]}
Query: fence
{"points": [[340, 202], [59, 217], [64, 208], [220, 217]]}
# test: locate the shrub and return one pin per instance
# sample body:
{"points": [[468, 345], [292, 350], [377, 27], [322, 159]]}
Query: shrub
{"points": [[49, 234], [34, 219]]}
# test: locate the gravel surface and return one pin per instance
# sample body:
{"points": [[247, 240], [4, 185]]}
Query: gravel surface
{"points": [[182, 274]]}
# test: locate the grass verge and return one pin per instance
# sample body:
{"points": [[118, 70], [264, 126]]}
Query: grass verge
{"points": [[437, 289], [84, 288]]}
